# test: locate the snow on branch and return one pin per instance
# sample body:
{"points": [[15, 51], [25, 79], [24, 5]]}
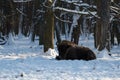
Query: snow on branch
{"points": [[21, 0], [53, 5], [77, 3], [73, 1], [73, 11], [115, 9], [67, 21], [21, 12], [93, 14]]}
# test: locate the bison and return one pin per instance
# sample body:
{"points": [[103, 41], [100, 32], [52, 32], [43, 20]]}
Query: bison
{"points": [[71, 51]]}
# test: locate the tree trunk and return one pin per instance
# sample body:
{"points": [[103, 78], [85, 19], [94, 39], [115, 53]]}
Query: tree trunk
{"points": [[49, 28], [102, 33], [20, 21], [57, 30], [75, 34]]}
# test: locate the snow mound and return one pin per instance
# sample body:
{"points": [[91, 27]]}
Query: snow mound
{"points": [[103, 54], [51, 53]]}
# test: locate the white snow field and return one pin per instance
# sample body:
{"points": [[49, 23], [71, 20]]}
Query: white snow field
{"points": [[24, 60]]}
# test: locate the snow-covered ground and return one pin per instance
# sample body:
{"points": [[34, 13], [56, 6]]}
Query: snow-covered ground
{"points": [[24, 60]]}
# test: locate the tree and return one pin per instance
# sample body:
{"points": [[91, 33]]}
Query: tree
{"points": [[102, 32], [49, 27]]}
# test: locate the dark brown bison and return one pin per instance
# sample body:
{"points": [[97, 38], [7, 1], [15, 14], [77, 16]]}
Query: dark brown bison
{"points": [[70, 51], [63, 46]]}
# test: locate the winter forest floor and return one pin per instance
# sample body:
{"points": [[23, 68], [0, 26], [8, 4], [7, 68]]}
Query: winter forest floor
{"points": [[23, 60]]}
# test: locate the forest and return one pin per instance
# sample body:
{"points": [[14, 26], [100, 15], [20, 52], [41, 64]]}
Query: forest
{"points": [[50, 20], [33, 35]]}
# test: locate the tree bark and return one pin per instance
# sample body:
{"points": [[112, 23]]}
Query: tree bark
{"points": [[49, 28], [102, 33]]}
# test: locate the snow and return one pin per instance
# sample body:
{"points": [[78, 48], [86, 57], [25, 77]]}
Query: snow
{"points": [[24, 60]]}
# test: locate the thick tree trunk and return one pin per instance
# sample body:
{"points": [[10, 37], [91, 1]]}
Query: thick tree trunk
{"points": [[49, 28], [102, 27]]}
